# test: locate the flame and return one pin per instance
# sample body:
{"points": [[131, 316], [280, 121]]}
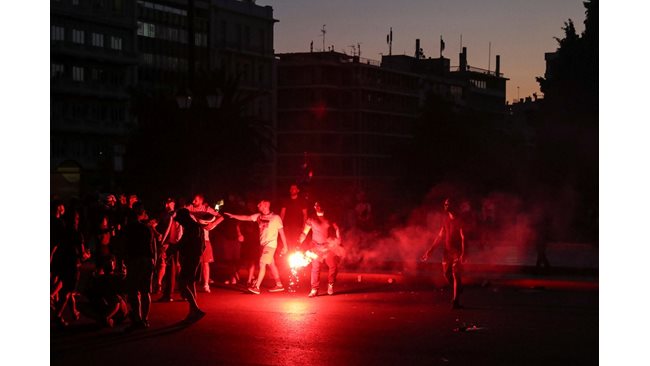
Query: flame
{"points": [[298, 260]]}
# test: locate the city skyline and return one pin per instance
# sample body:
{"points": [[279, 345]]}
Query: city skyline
{"points": [[521, 32]]}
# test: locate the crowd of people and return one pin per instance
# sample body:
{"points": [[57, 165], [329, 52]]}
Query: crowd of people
{"points": [[133, 253]]}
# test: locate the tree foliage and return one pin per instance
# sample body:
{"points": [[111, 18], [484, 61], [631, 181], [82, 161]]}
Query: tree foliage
{"points": [[198, 149], [567, 125]]}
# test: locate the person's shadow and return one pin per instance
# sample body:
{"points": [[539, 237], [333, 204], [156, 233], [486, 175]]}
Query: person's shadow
{"points": [[69, 340]]}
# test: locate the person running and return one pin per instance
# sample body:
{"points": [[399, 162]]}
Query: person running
{"points": [[270, 226]]}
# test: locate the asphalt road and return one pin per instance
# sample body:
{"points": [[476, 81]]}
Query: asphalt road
{"points": [[520, 321]]}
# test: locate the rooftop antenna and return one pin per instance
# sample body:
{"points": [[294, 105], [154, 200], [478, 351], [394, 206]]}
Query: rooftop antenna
{"points": [[489, 55], [311, 46], [323, 31], [389, 40], [359, 48]]}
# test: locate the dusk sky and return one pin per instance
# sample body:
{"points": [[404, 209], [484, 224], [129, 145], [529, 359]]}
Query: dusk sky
{"points": [[520, 31]]}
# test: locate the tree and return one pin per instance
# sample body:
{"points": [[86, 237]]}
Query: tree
{"points": [[567, 126], [198, 149]]}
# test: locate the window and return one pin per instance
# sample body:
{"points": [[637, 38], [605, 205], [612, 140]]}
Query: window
{"points": [[75, 2], [149, 30], [96, 74], [147, 58], [56, 70], [57, 33], [201, 39], [482, 84], [146, 29], [116, 43], [78, 36], [98, 40], [77, 73]]}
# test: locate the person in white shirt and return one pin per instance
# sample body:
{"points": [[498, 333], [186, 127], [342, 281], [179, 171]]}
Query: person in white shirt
{"points": [[270, 226]]}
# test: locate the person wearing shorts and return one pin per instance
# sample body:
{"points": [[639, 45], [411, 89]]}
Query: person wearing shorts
{"points": [[270, 226]]}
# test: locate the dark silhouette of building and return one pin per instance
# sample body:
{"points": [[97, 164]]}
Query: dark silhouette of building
{"points": [[103, 51], [93, 60], [347, 115]]}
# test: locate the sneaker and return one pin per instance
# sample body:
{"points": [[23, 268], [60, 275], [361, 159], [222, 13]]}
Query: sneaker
{"points": [[313, 293], [255, 290], [137, 325], [277, 288], [330, 289], [194, 316], [60, 323], [206, 288]]}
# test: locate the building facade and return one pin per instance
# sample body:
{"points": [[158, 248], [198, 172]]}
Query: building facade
{"points": [[93, 61], [343, 118], [104, 51]]}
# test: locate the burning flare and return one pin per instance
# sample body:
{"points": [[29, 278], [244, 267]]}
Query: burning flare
{"points": [[297, 261]]}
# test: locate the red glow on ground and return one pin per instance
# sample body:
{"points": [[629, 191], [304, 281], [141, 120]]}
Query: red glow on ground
{"points": [[551, 284]]}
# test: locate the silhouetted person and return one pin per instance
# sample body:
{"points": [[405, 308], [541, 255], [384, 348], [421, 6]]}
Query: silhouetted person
{"points": [[541, 242], [190, 249], [293, 214], [67, 260], [57, 236], [199, 206], [173, 232], [106, 295], [140, 258], [451, 231], [229, 239]]}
